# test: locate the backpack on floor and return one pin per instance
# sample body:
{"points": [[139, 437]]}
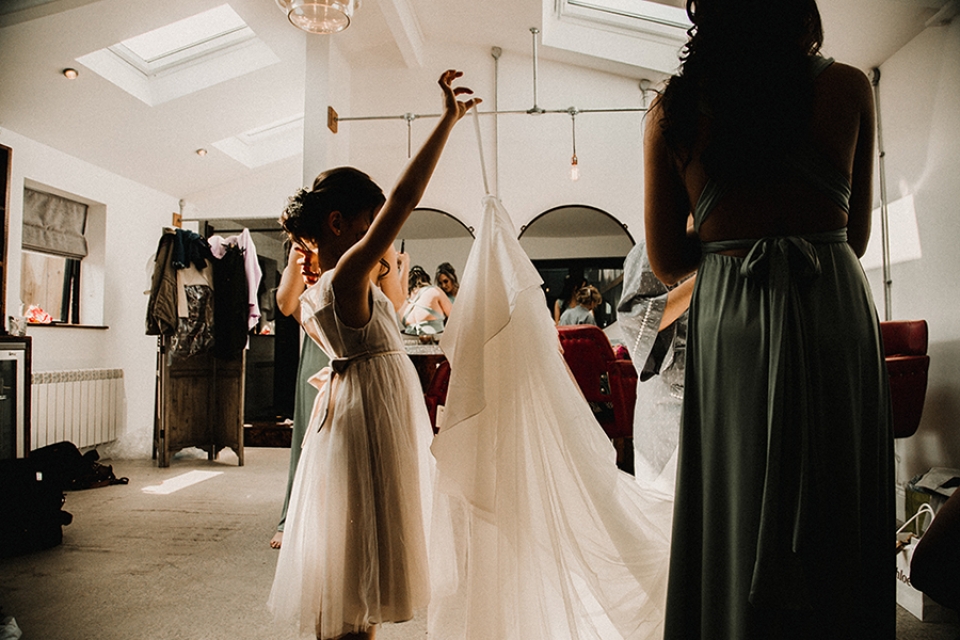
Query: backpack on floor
{"points": [[31, 507], [76, 471]]}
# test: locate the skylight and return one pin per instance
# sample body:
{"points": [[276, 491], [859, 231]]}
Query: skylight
{"points": [[641, 33], [182, 57], [641, 15], [184, 40], [266, 144]]}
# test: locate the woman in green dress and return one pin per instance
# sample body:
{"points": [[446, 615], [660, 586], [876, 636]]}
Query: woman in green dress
{"points": [[784, 516]]}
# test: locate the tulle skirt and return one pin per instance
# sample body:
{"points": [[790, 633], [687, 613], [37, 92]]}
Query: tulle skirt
{"points": [[354, 548]]}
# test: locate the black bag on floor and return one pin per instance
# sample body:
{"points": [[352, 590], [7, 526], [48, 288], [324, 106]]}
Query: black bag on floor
{"points": [[31, 502], [74, 470]]}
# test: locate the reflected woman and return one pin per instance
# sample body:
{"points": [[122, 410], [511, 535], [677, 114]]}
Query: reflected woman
{"points": [[447, 280], [427, 307]]}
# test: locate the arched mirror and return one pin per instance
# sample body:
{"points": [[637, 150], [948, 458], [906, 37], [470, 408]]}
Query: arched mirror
{"points": [[575, 243], [431, 237]]}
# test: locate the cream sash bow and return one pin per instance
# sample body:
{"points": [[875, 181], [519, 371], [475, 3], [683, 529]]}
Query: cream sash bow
{"points": [[323, 381]]}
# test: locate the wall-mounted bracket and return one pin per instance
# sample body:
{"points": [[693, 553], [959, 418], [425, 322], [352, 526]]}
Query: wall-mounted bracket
{"points": [[332, 119]]}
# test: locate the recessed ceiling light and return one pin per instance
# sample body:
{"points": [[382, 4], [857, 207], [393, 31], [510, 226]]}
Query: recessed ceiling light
{"points": [[201, 152], [70, 74]]}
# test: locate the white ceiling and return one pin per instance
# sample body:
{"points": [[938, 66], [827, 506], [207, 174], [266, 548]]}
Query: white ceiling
{"points": [[91, 119]]}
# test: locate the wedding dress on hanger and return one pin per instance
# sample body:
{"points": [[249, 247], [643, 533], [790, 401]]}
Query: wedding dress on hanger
{"points": [[536, 534]]}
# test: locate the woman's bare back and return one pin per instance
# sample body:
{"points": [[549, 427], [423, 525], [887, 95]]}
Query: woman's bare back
{"points": [[841, 132]]}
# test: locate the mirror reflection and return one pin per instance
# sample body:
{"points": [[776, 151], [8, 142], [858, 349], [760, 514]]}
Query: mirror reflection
{"points": [[436, 245], [576, 245]]}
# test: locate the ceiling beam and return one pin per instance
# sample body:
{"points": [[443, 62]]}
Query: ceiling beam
{"points": [[403, 23]]}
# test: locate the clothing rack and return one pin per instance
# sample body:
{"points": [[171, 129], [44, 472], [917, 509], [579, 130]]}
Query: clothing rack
{"points": [[199, 396]]}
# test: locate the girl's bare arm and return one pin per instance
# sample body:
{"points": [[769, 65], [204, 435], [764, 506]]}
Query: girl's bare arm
{"points": [[350, 280]]}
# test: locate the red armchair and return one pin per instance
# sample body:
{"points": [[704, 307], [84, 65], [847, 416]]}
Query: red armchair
{"points": [[609, 384], [905, 350]]}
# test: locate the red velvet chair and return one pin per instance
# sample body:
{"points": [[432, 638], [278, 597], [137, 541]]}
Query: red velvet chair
{"points": [[436, 394], [609, 384], [905, 350]]}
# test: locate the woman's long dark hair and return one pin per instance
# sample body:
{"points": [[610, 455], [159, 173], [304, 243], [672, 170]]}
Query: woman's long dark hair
{"points": [[745, 72]]}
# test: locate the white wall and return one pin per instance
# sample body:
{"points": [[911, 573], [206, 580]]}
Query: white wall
{"points": [[534, 151], [920, 117], [134, 218]]}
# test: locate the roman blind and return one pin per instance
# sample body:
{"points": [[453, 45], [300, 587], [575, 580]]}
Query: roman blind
{"points": [[52, 224]]}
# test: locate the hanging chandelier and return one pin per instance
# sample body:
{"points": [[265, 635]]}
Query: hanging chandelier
{"points": [[319, 16]]}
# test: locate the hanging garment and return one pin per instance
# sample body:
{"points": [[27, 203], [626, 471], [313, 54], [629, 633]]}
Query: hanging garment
{"points": [[251, 265], [536, 534], [162, 316], [659, 358], [230, 303], [181, 293], [195, 309], [190, 248], [354, 548]]}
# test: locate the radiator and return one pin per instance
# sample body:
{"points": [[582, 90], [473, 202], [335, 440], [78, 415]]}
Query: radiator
{"points": [[82, 406]]}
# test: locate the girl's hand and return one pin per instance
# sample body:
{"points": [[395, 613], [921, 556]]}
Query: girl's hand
{"points": [[451, 105], [309, 263]]}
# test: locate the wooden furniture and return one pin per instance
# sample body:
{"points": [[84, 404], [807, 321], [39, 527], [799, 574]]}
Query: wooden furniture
{"points": [[199, 403]]}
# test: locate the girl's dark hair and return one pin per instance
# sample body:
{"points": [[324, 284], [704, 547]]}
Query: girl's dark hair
{"points": [[746, 71], [344, 189]]}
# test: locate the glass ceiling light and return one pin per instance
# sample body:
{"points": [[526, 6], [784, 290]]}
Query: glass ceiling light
{"points": [[319, 16]]}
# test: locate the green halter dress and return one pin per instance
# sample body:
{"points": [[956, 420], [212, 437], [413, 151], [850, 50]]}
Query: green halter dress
{"points": [[783, 523]]}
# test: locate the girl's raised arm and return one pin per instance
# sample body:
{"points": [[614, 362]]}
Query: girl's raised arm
{"points": [[350, 281]]}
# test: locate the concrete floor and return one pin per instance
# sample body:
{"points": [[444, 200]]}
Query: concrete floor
{"points": [[191, 565]]}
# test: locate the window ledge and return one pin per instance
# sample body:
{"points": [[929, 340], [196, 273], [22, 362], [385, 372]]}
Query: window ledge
{"points": [[65, 325]]}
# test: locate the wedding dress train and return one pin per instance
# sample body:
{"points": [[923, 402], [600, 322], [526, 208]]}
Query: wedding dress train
{"points": [[536, 534]]}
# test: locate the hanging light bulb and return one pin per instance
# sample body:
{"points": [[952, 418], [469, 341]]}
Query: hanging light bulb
{"points": [[574, 167], [319, 16]]}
